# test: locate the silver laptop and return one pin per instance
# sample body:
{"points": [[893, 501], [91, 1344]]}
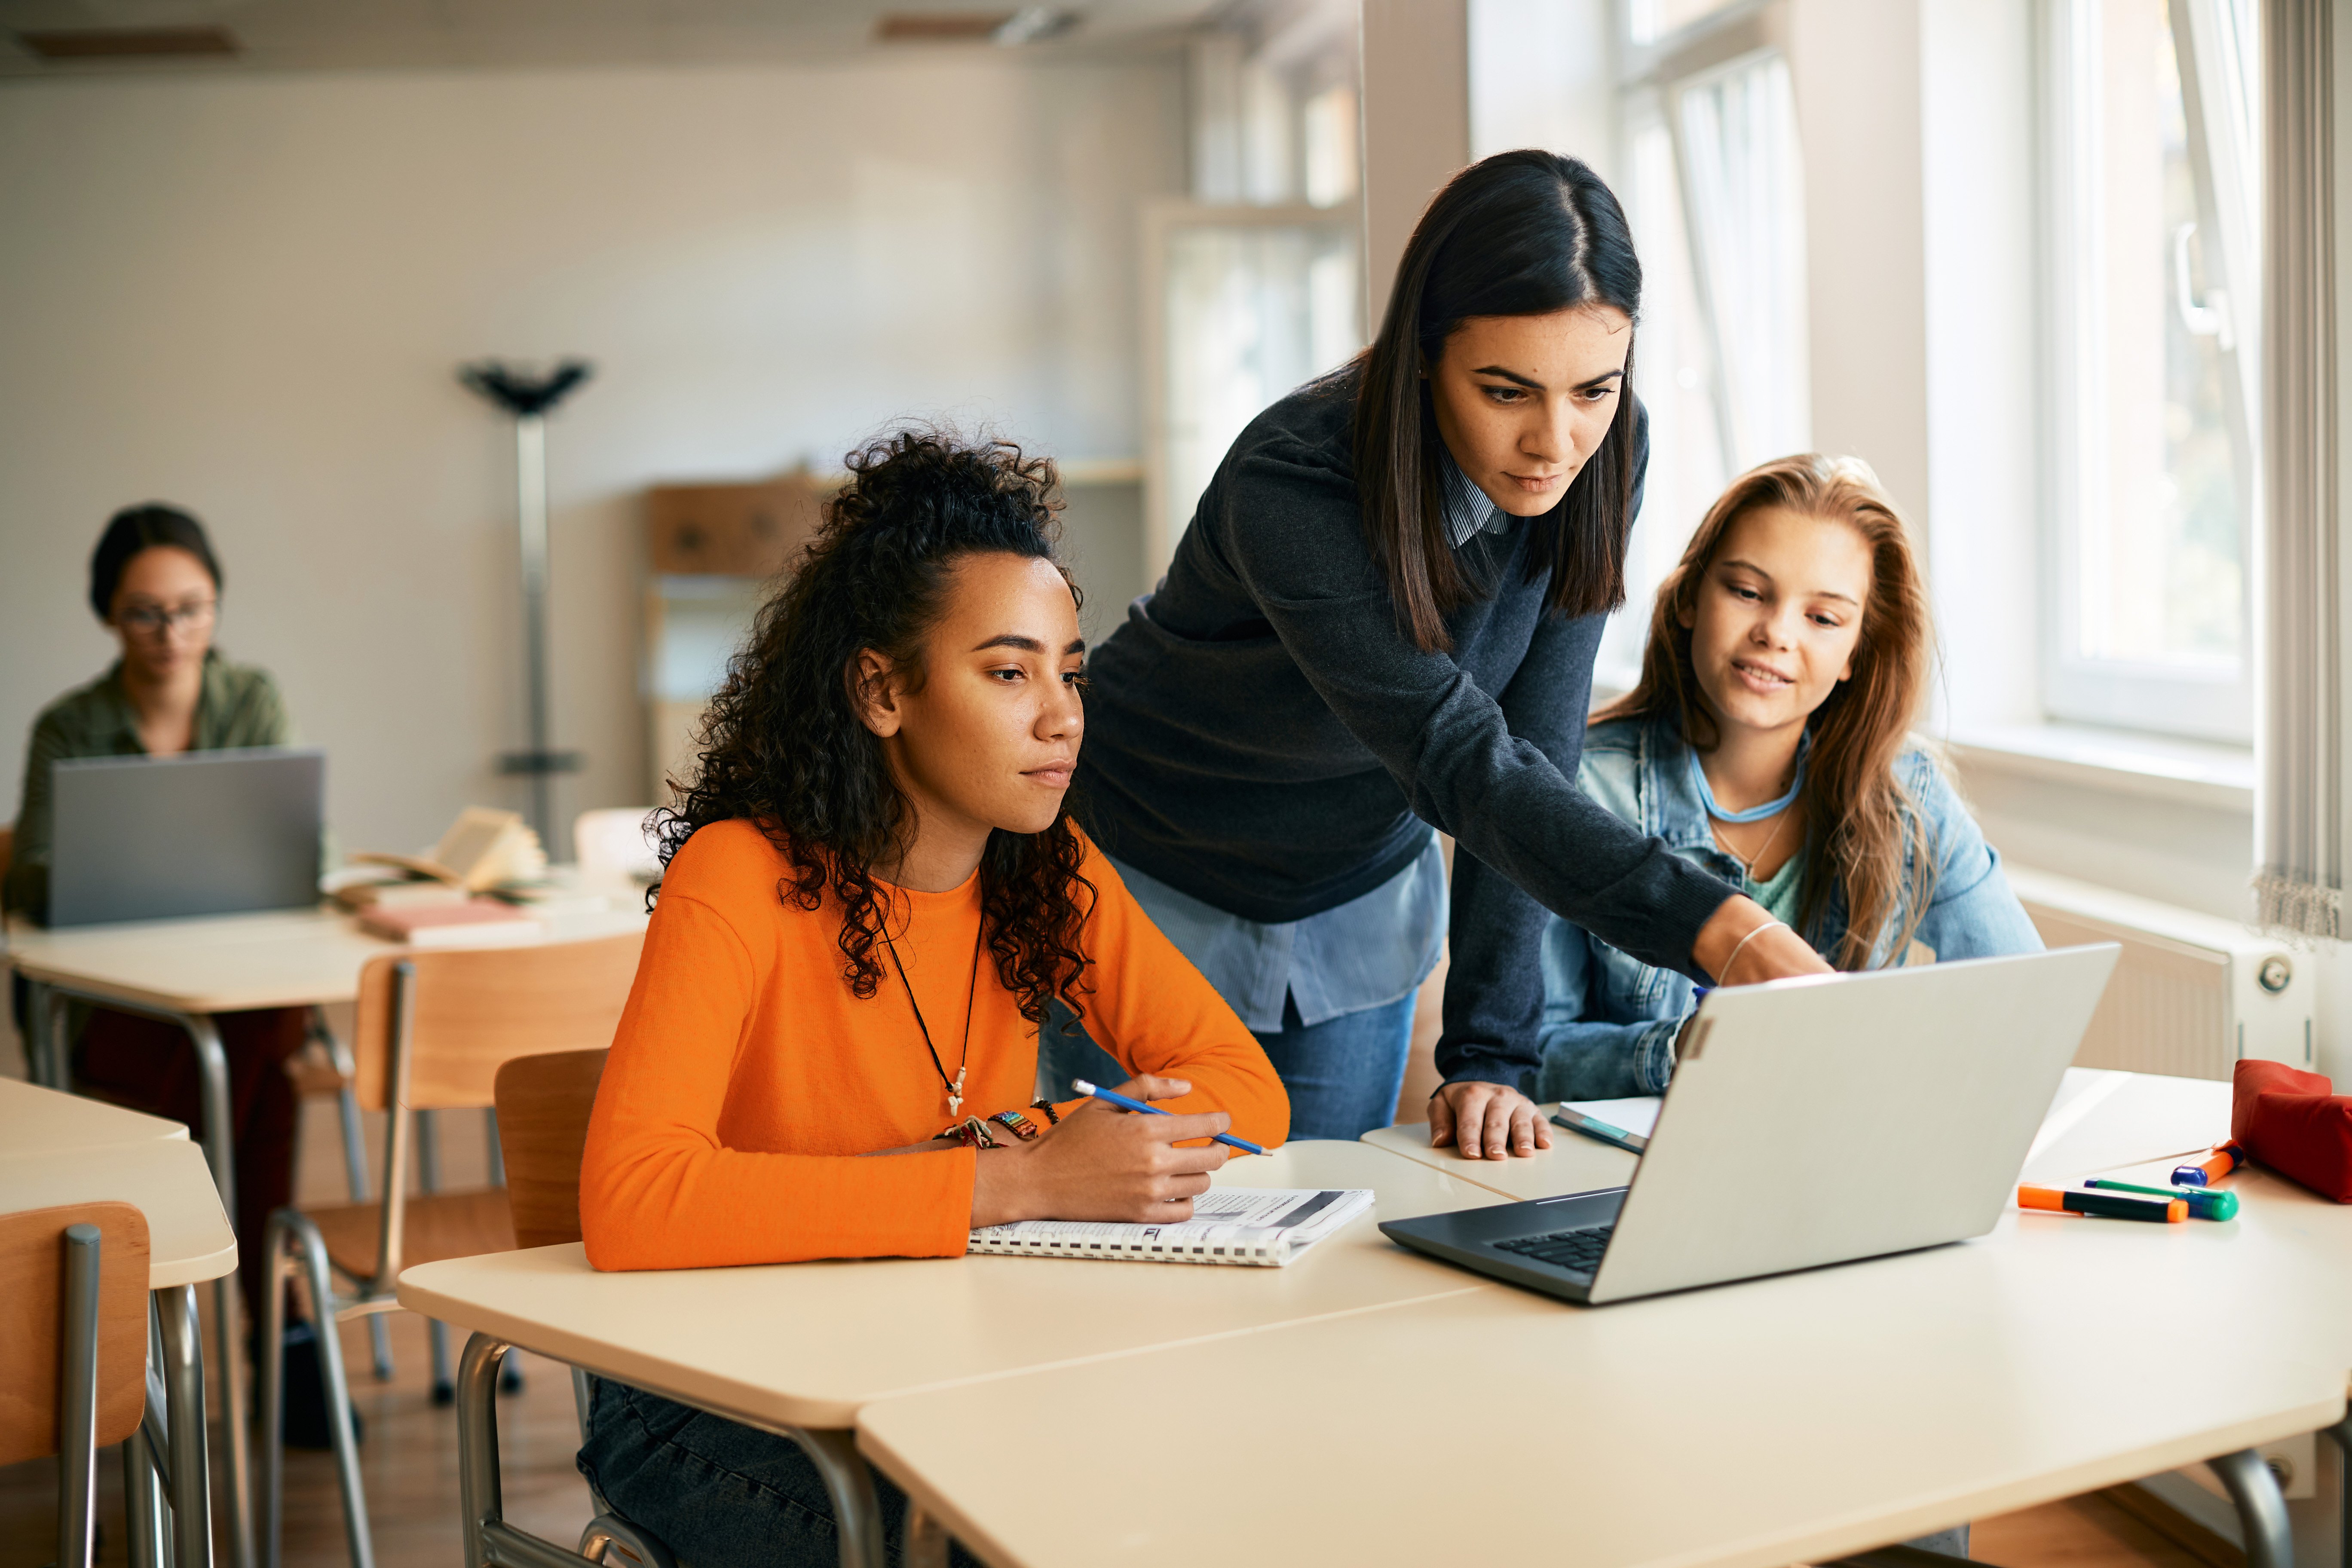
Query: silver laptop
{"points": [[1813, 1121], [209, 833]]}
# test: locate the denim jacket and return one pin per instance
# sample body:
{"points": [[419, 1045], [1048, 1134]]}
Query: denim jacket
{"points": [[1610, 1022]]}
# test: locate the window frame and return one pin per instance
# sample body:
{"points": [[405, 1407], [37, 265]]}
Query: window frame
{"points": [[2161, 699]]}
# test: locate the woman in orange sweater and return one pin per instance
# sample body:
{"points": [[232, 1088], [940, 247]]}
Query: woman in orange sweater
{"points": [[873, 892]]}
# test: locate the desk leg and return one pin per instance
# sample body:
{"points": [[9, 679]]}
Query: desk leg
{"points": [[2262, 1509], [850, 1484], [183, 1386], [220, 1154], [2341, 1433], [926, 1540], [490, 1539], [45, 1021]]}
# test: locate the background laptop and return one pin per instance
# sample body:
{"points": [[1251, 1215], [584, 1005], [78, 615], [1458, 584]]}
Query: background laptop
{"points": [[209, 833], [1811, 1121]]}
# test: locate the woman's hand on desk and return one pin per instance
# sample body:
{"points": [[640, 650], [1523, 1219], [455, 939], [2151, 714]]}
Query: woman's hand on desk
{"points": [[1104, 1164], [1741, 945], [1490, 1120]]}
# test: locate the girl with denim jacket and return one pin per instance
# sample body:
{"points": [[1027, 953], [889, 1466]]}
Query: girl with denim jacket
{"points": [[1769, 740]]}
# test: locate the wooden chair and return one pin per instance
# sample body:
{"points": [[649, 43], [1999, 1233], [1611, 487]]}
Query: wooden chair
{"points": [[433, 1029], [73, 1353], [543, 1107]]}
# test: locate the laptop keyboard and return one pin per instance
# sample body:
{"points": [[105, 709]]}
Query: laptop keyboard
{"points": [[1578, 1250]]}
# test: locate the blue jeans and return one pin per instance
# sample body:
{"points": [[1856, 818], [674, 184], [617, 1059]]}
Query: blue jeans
{"points": [[718, 1494], [1343, 1074]]}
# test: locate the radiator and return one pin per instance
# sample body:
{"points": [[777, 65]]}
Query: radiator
{"points": [[2191, 994]]}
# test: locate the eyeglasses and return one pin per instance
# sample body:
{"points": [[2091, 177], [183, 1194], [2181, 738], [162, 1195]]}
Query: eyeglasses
{"points": [[154, 620]]}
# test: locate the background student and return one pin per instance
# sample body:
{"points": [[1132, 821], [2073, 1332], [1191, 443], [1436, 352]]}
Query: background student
{"points": [[1380, 625], [1770, 742], [873, 892], [156, 584]]}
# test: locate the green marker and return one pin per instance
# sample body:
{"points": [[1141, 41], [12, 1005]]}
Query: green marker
{"points": [[2204, 1203]]}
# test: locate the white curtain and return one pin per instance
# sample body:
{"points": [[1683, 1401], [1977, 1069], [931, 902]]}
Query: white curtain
{"points": [[1743, 186], [2300, 813]]}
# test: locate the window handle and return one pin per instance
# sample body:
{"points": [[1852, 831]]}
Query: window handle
{"points": [[2212, 319]]}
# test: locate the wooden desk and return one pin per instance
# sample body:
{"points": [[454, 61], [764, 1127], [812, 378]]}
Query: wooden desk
{"points": [[33, 1119], [799, 1349], [188, 1241], [185, 972]]}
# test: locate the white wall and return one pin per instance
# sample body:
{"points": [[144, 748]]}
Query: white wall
{"points": [[1854, 65], [248, 294]]}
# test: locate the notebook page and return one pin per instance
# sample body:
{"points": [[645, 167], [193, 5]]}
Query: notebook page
{"points": [[1260, 1225]]}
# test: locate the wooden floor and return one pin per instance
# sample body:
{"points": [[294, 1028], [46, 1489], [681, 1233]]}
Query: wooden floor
{"points": [[410, 1458]]}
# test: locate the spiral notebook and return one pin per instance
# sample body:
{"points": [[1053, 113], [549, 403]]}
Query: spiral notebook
{"points": [[1255, 1227]]}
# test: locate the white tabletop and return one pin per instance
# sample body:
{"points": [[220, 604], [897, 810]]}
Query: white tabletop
{"points": [[1782, 1420], [228, 964], [809, 1343], [188, 1236], [1790, 1420], [33, 1119], [2100, 1121]]}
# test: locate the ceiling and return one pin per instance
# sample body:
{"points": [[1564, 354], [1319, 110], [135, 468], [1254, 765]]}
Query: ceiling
{"points": [[343, 35]]}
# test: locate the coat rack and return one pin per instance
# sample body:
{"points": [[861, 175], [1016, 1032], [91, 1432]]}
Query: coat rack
{"points": [[528, 399]]}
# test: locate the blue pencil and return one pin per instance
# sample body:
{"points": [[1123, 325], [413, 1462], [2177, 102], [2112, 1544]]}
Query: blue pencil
{"points": [[1112, 1097]]}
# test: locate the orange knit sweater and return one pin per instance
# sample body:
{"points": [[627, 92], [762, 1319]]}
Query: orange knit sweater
{"points": [[745, 1078]]}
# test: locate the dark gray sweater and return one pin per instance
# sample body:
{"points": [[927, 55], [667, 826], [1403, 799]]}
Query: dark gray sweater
{"points": [[1262, 736]]}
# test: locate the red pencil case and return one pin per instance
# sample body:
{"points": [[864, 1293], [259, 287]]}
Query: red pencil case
{"points": [[2295, 1123]]}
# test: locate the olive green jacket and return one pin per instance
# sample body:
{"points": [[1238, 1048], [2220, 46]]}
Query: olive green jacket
{"points": [[239, 706]]}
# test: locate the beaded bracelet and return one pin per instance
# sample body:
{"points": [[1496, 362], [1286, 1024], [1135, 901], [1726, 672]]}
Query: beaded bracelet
{"points": [[1020, 1126]]}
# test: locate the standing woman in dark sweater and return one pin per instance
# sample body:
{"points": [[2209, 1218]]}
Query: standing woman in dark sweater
{"points": [[1380, 625]]}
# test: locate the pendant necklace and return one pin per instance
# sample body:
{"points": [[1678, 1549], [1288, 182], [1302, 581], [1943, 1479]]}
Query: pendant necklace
{"points": [[1747, 862], [1776, 809], [972, 995]]}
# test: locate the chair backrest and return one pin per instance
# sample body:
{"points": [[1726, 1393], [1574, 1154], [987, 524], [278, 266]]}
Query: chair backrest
{"points": [[32, 1314], [475, 1008], [543, 1106], [612, 842]]}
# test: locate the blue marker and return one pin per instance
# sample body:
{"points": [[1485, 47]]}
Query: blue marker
{"points": [[1112, 1097]]}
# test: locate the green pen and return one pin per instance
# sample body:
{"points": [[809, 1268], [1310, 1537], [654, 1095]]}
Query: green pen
{"points": [[2204, 1203]]}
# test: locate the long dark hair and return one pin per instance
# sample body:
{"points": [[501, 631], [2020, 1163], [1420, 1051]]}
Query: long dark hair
{"points": [[1855, 801], [1518, 234], [782, 744]]}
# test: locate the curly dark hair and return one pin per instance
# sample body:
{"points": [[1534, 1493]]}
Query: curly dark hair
{"points": [[783, 745]]}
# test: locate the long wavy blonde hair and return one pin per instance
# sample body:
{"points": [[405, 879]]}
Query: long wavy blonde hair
{"points": [[1856, 809]]}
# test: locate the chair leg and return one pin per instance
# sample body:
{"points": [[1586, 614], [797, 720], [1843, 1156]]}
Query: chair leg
{"points": [[311, 1248], [143, 1504], [380, 1344], [270, 1380], [616, 1543]]}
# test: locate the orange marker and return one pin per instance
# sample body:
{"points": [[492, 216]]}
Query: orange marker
{"points": [[2108, 1205], [2225, 1158]]}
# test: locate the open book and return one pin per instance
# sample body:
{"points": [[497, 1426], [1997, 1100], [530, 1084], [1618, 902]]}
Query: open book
{"points": [[1256, 1225], [483, 848]]}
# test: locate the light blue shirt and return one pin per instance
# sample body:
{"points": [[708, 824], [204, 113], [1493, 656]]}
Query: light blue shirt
{"points": [[1366, 953]]}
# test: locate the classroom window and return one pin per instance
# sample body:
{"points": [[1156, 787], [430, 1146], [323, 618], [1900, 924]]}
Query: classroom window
{"points": [[2151, 156], [1712, 183]]}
